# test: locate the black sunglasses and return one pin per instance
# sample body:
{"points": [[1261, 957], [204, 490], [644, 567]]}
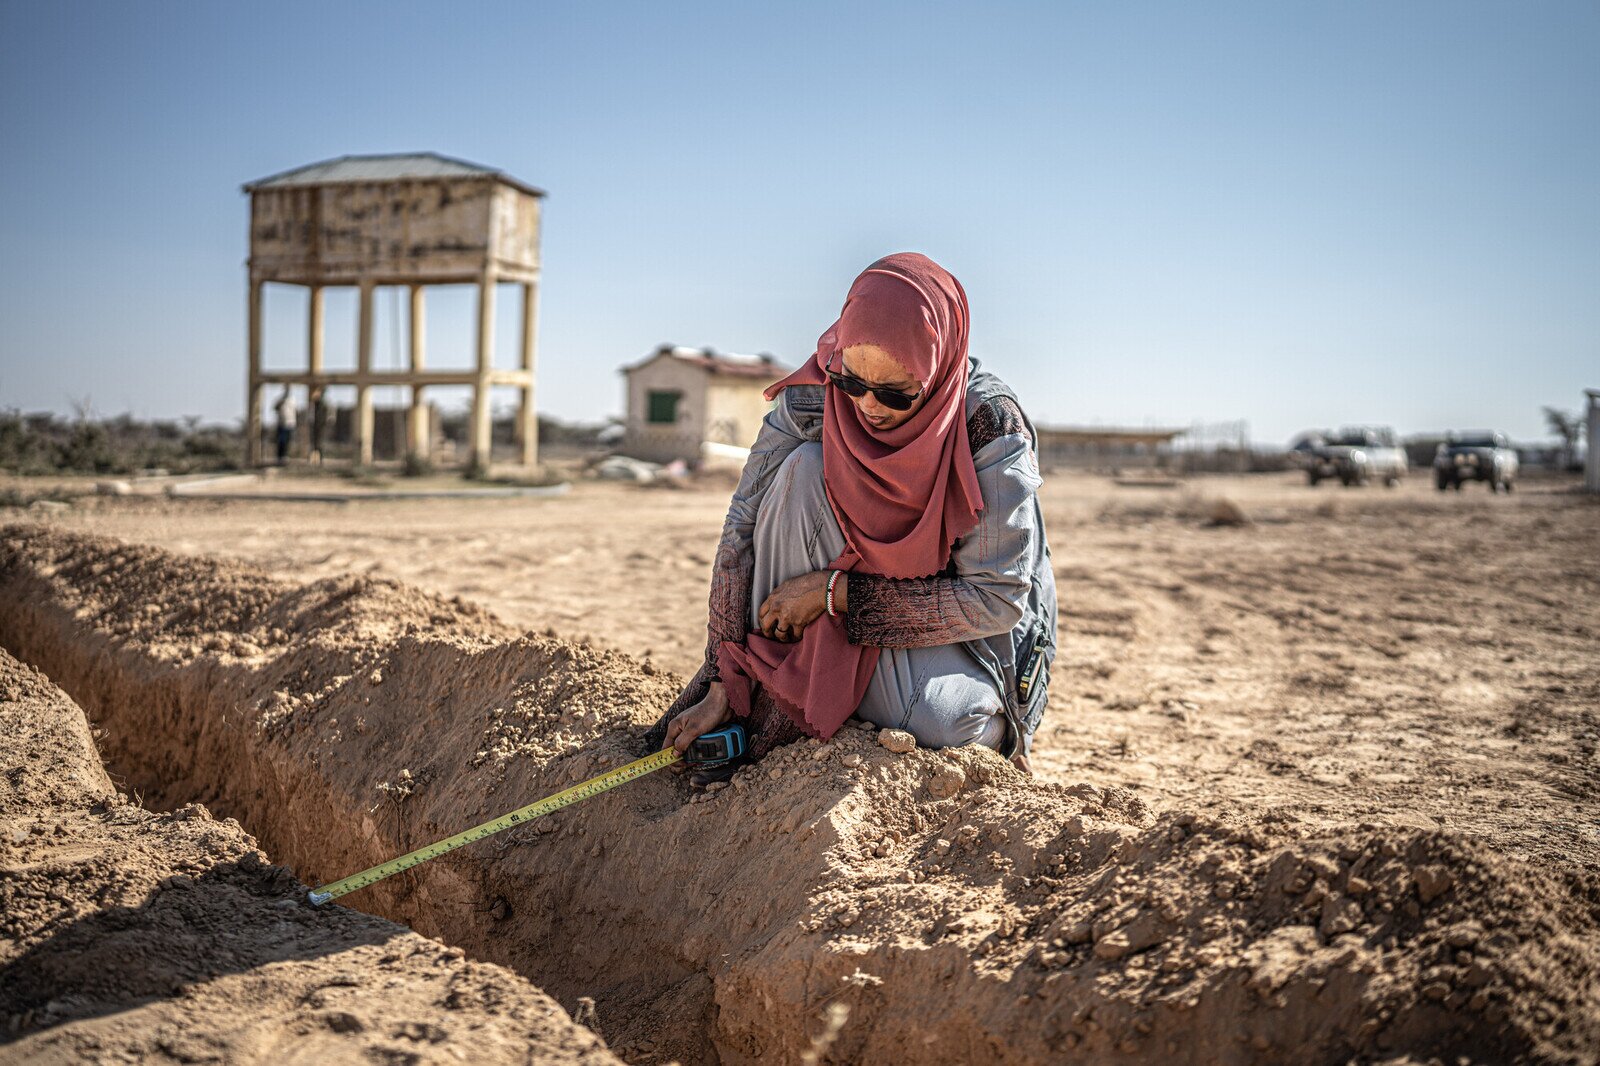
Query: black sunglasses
{"points": [[854, 386]]}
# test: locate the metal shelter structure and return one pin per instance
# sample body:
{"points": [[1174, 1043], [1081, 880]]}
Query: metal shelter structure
{"points": [[1094, 447], [404, 220]]}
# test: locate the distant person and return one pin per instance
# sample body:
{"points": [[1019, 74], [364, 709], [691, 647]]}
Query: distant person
{"points": [[286, 415], [884, 555]]}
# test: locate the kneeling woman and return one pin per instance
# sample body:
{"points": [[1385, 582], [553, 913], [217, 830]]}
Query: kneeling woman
{"points": [[884, 554]]}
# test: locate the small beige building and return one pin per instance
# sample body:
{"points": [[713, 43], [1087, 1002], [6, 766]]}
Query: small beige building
{"points": [[680, 397]]}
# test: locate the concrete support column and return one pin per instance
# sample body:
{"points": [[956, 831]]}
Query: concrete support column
{"points": [[482, 425], [419, 434], [364, 366], [252, 409], [314, 332], [527, 415], [314, 338]]}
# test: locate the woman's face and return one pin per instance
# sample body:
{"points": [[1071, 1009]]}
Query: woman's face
{"points": [[876, 368]]}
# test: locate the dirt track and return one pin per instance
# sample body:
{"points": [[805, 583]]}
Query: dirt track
{"points": [[959, 912]]}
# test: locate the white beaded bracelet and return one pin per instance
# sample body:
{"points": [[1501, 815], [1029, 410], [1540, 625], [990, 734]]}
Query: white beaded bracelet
{"points": [[831, 579]]}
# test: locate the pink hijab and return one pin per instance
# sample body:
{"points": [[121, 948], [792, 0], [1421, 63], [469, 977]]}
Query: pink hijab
{"points": [[902, 496]]}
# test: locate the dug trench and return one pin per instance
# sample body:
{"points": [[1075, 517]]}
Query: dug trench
{"points": [[922, 907], [129, 935]]}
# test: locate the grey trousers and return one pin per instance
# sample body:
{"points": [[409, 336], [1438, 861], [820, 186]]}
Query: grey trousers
{"points": [[940, 695]]}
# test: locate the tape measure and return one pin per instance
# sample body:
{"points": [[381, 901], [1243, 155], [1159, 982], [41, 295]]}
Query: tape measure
{"points": [[712, 749]]}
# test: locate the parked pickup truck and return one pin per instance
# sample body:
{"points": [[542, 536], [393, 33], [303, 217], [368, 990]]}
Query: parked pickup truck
{"points": [[1357, 455], [1475, 455]]}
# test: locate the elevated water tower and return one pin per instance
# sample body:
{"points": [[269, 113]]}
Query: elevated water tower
{"points": [[402, 220]]}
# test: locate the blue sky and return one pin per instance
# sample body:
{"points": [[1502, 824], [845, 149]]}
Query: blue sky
{"points": [[1294, 214]]}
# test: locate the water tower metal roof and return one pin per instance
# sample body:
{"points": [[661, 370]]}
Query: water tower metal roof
{"points": [[405, 166]]}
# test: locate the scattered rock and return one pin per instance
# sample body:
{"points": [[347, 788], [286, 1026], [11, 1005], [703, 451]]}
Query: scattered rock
{"points": [[1224, 512], [1112, 946], [342, 1021], [1432, 881], [1339, 915], [1140, 934], [897, 740], [586, 1015], [1278, 957], [946, 783]]}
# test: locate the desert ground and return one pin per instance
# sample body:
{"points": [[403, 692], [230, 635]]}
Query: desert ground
{"points": [[1399, 657], [1357, 677]]}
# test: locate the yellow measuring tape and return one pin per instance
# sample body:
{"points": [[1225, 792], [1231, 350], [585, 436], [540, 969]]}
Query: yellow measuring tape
{"points": [[592, 787]]}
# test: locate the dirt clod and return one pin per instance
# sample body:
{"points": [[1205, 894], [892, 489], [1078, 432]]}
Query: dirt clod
{"points": [[946, 783], [1224, 512], [1432, 881], [897, 740]]}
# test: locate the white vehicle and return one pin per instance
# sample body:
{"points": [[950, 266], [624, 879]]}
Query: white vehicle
{"points": [[1357, 455]]}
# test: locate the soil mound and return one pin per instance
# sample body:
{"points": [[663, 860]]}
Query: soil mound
{"points": [[127, 935], [935, 906]]}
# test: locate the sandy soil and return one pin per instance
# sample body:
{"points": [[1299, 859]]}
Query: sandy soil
{"points": [[888, 903], [133, 936], [1394, 657]]}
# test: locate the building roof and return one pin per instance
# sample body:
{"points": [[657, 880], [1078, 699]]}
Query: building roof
{"points": [[762, 368], [405, 166]]}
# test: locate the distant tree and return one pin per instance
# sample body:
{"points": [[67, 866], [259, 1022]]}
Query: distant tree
{"points": [[1569, 427]]}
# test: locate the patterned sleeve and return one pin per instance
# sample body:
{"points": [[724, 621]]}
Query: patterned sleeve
{"points": [[729, 614], [793, 420], [981, 593]]}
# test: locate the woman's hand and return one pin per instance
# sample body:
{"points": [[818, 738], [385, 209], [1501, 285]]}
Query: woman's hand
{"points": [[702, 718], [797, 603]]}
